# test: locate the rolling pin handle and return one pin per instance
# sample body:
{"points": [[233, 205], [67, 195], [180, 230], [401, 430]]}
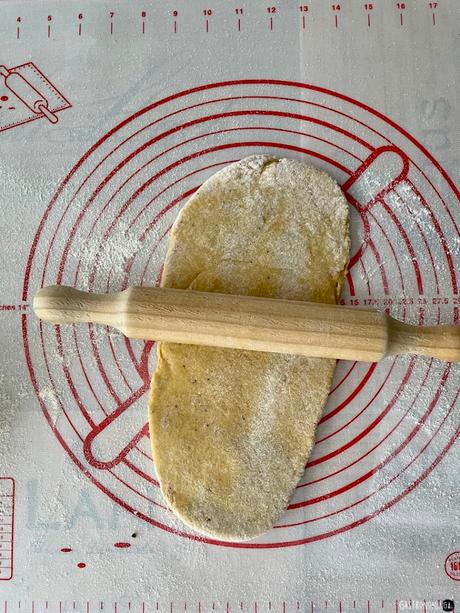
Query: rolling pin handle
{"points": [[440, 342], [51, 117]]}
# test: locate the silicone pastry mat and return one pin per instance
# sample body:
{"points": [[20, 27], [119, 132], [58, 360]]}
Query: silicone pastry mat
{"points": [[150, 100]]}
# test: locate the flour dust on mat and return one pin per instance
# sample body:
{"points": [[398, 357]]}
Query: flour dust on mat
{"points": [[231, 430]]}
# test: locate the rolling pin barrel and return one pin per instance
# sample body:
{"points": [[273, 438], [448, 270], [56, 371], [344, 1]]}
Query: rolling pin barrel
{"points": [[247, 322]]}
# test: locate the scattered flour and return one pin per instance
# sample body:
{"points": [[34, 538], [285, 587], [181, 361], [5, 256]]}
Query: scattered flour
{"points": [[14, 394], [49, 396], [112, 258]]}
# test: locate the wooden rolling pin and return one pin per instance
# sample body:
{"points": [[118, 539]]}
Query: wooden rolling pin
{"points": [[246, 322]]}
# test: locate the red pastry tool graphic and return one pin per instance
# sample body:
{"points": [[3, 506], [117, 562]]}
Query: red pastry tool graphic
{"points": [[28, 95], [381, 172]]}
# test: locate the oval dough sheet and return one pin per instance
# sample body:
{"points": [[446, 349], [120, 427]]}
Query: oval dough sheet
{"points": [[231, 430]]}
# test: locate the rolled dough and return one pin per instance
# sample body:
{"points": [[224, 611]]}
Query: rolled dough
{"points": [[231, 430]]}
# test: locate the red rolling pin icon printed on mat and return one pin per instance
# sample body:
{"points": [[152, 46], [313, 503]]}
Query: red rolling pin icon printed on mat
{"points": [[111, 440], [29, 95], [380, 173]]}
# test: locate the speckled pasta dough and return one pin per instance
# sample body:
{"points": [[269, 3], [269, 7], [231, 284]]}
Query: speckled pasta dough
{"points": [[231, 430]]}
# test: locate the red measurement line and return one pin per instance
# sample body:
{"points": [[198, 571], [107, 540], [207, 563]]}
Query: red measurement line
{"points": [[368, 607], [336, 21], [271, 23], [6, 606], [434, 19], [397, 607], [340, 606], [368, 20], [175, 27], [239, 25], [79, 29], [143, 27], [311, 608], [227, 608], [401, 18], [284, 607], [111, 27], [382, 604], [207, 25], [49, 31], [303, 22]]}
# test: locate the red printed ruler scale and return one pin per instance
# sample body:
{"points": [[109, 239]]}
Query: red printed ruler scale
{"points": [[114, 20], [6, 527], [310, 606], [131, 108]]}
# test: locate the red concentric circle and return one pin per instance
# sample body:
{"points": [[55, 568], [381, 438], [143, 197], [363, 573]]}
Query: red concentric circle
{"points": [[385, 427]]}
